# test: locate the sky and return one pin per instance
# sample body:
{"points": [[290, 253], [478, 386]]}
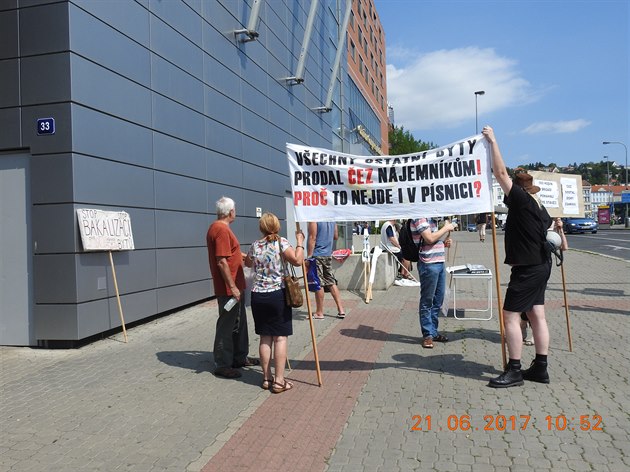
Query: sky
{"points": [[555, 74]]}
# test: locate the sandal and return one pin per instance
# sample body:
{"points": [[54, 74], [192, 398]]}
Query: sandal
{"points": [[279, 388], [266, 384], [341, 315], [318, 317]]}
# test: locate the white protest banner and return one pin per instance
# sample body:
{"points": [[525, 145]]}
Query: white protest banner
{"points": [[105, 230], [333, 186], [560, 193]]}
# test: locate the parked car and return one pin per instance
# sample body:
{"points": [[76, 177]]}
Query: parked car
{"points": [[580, 225], [471, 227]]}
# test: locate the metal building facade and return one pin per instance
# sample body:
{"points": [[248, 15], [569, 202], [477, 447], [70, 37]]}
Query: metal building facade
{"points": [[159, 110]]}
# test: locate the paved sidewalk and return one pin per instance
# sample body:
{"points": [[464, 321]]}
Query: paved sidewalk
{"points": [[386, 404]]}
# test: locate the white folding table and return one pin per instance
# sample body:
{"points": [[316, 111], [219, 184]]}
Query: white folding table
{"points": [[487, 276]]}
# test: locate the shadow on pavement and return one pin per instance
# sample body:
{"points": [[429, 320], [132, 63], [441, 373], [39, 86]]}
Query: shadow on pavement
{"points": [[452, 364], [197, 361]]}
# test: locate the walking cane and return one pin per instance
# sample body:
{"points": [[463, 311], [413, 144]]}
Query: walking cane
{"points": [[310, 316], [498, 284], [566, 308]]}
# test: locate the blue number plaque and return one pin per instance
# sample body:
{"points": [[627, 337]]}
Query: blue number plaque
{"points": [[45, 126]]}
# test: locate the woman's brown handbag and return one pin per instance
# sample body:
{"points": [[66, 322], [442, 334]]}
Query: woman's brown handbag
{"points": [[292, 292]]}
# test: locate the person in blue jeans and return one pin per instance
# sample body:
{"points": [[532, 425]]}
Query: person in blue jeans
{"points": [[431, 266]]}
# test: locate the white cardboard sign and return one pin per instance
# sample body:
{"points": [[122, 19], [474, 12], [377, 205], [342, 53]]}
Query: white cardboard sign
{"points": [[105, 230]]}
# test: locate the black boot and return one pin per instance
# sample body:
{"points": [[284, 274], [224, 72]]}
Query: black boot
{"points": [[509, 378], [537, 372]]}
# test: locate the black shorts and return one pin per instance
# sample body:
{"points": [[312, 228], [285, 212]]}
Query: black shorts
{"points": [[527, 287], [272, 316]]}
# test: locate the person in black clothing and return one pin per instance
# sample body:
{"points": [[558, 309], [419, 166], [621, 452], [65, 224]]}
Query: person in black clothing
{"points": [[525, 234], [481, 221]]}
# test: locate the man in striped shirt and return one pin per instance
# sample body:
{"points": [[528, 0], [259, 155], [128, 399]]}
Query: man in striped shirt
{"points": [[431, 266]]}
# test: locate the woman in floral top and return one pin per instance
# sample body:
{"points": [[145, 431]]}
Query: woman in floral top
{"points": [[272, 316]]}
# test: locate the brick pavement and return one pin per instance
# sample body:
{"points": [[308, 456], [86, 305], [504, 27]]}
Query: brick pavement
{"points": [[152, 404]]}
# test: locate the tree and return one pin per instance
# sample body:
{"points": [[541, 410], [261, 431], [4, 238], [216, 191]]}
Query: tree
{"points": [[401, 141]]}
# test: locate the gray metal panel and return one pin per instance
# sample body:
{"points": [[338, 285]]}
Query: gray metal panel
{"points": [[130, 18], [178, 295], [223, 139], [225, 17], [74, 322], [59, 142], [10, 123], [99, 88], [253, 125], [56, 321], [173, 47], [256, 152], [54, 228], [181, 265], [178, 229], [54, 278], [173, 155], [47, 21], [122, 54], [51, 179], [279, 117], [179, 16], [8, 4], [172, 118], [221, 46], [174, 192], [98, 134], [136, 306], [45, 79], [223, 169], [195, 5], [221, 78], [8, 34], [173, 82], [135, 272], [279, 164], [222, 108], [16, 252], [100, 182]]}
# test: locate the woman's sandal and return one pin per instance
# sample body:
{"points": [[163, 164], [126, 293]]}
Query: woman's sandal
{"points": [[279, 388], [266, 384]]}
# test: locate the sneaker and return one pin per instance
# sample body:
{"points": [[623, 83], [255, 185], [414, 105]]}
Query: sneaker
{"points": [[537, 372], [427, 342], [509, 378]]}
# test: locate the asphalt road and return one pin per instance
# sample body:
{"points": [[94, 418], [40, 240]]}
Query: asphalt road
{"points": [[612, 243]]}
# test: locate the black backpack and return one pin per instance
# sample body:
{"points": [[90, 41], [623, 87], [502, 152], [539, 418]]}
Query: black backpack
{"points": [[410, 250]]}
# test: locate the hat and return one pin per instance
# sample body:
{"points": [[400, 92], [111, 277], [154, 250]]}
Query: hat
{"points": [[526, 181], [554, 238]]}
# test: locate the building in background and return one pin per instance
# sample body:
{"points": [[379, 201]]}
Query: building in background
{"points": [[367, 84], [159, 108]]}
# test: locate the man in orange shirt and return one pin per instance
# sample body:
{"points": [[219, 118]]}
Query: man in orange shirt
{"points": [[231, 342]]}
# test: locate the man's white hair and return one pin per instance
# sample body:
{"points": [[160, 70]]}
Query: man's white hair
{"points": [[224, 206]]}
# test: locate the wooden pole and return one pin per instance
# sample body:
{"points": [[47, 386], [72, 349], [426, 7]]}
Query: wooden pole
{"points": [[498, 285], [566, 308], [310, 317], [122, 318]]}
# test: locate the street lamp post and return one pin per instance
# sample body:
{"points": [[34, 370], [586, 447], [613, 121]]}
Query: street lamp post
{"points": [[626, 148], [477, 93]]}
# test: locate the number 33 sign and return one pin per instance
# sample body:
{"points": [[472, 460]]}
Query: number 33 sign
{"points": [[46, 126]]}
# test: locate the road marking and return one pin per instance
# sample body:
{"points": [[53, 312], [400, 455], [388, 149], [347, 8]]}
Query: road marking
{"points": [[616, 248]]}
